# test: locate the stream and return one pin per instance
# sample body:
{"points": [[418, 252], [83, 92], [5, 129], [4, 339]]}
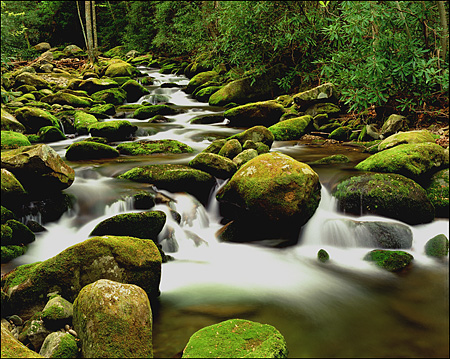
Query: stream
{"points": [[344, 308]]}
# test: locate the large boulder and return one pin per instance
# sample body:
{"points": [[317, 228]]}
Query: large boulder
{"points": [[50, 134], [113, 320], [385, 194], [121, 259], [264, 113], [438, 192], [236, 338], [416, 161], [38, 168], [156, 146], [89, 150], [120, 68], [10, 123], [274, 186], [214, 164], [117, 130], [174, 178], [410, 137], [291, 129], [245, 90], [35, 118], [11, 140], [145, 225], [134, 90]]}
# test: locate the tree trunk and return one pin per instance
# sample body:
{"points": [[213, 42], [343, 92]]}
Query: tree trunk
{"points": [[94, 28], [82, 24], [444, 26], [90, 41]]}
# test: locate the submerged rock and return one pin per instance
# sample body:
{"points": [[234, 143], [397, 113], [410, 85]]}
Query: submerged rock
{"points": [[236, 338], [393, 261], [113, 320]]}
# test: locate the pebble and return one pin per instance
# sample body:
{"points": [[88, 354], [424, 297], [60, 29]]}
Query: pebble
{"points": [[73, 332], [66, 327]]}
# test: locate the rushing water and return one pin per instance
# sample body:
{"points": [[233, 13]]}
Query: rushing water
{"points": [[344, 308]]}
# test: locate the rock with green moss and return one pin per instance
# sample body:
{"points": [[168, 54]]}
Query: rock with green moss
{"points": [[12, 190], [64, 98], [103, 111], [332, 159], [122, 259], [230, 149], [385, 194], [38, 168], [26, 78], [34, 118], [145, 225], [236, 338], [119, 68], [258, 146], [341, 133], [34, 331], [437, 246], [89, 150], [264, 113], [174, 178], [215, 146], [134, 90], [115, 96], [59, 345], [207, 119], [145, 112], [200, 79], [10, 123], [330, 109], [6, 214], [400, 138], [117, 130], [393, 261], [20, 234], [11, 139], [244, 157], [82, 121], [113, 320], [438, 192], [12, 348], [291, 129], [248, 89], [255, 134], [57, 312], [323, 256], [394, 124], [274, 186], [50, 134], [214, 164], [416, 161], [156, 146], [8, 253], [92, 85], [204, 94], [306, 98]]}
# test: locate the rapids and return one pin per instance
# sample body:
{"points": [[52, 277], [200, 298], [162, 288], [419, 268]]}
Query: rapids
{"points": [[344, 308]]}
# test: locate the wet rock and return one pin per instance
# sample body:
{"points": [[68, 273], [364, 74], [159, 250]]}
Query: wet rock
{"points": [[393, 261], [437, 246], [216, 165], [115, 96], [332, 159], [341, 133], [200, 79], [20, 233], [88, 150], [237, 338], [10, 252], [117, 130], [113, 320], [230, 149], [57, 312], [50, 134], [255, 134], [150, 147], [82, 121], [323, 256], [291, 129], [145, 112], [134, 90], [265, 113], [34, 118], [103, 111]]}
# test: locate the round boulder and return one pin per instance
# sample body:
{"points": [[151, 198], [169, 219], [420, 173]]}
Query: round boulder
{"points": [[89, 150]]}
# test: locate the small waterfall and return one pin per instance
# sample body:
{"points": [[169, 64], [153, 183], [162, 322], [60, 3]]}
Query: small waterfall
{"points": [[120, 206]]}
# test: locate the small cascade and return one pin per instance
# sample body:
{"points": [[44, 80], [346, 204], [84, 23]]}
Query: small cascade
{"points": [[120, 206]]}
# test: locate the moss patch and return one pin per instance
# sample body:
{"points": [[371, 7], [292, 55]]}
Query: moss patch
{"points": [[393, 261], [157, 146]]}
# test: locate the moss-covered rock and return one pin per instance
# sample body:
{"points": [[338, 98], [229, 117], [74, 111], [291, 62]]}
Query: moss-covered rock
{"points": [[274, 186], [156, 146], [415, 161], [12, 348], [20, 234], [438, 192], [332, 159], [117, 130], [258, 146], [59, 345], [207, 119], [11, 139], [323, 256], [393, 261], [89, 150], [204, 94], [255, 134], [38, 168], [231, 149], [330, 109], [10, 123], [134, 90], [6, 214], [103, 111], [57, 312], [264, 113], [113, 320], [115, 96], [244, 157], [26, 78], [92, 85], [174, 178], [64, 98], [145, 225], [215, 146], [122, 259], [146, 112], [400, 138], [236, 338], [306, 98], [120, 68], [385, 194], [437, 246], [200, 79], [291, 129], [341, 133], [8, 253], [214, 164], [50, 134], [12, 190], [394, 124], [34, 118], [82, 121]]}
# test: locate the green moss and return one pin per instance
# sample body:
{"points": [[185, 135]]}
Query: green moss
{"points": [[50, 134], [6, 214], [88, 150], [392, 261], [12, 348], [438, 192], [291, 129], [115, 96], [333, 159], [82, 122], [67, 348], [145, 112], [323, 255], [437, 246], [11, 139], [10, 252], [113, 130], [341, 133], [149, 147]]}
